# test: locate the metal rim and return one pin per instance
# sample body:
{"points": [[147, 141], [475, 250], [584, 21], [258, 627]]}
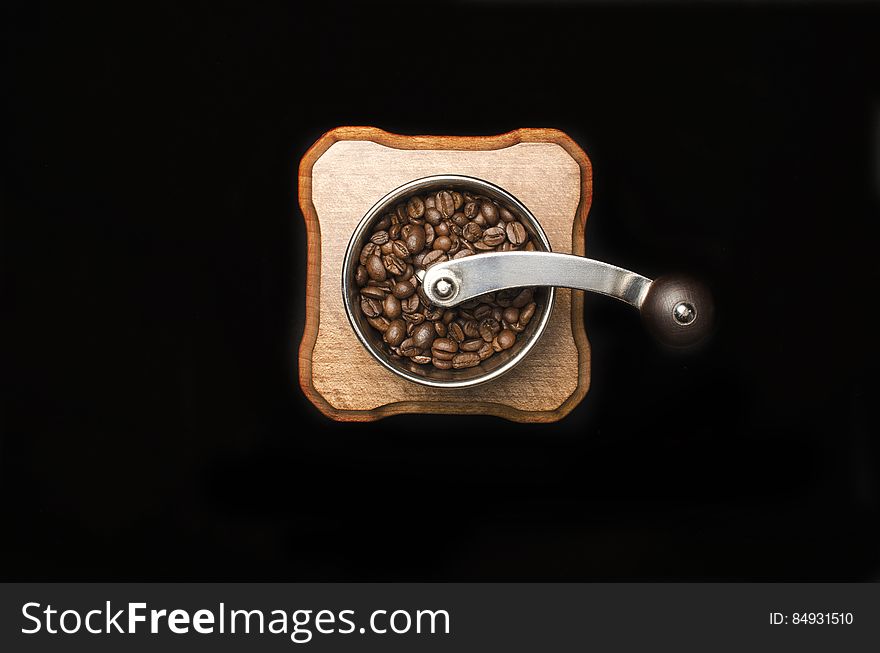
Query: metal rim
{"points": [[409, 188]]}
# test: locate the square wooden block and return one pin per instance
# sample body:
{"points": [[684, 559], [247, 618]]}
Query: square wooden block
{"points": [[347, 171]]}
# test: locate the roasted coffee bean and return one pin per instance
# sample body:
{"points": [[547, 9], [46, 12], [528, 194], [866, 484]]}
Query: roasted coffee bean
{"points": [[472, 232], [471, 209], [462, 253], [375, 268], [423, 335], [482, 311], [383, 224], [489, 328], [457, 199], [442, 229], [373, 292], [506, 338], [429, 235], [511, 315], [441, 364], [433, 314], [387, 248], [360, 276], [399, 249], [433, 216], [395, 333], [494, 236], [391, 307], [473, 344], [379, 323], [418, 258], [415, 208], [529, 247], [459, 219], [505, 298], [506, 215], [455, 245], [379, 238], [490, 213], [415, 241], [371, 307], [523, 298], [402, 215], [443, 243], [442, 355], [403, 289], [485, 351], [516, 233], [455, 332], [408, 348], [483, 246], [465, 359], [445, 344], [440, 328], [516, 327], [410, 304], [394, 264], [434, 256], [527, 313], [421, 359], [449, 316], [414, 318], [445, 203], [394, 231], [429, 202], [471, 329], [368, 250]]}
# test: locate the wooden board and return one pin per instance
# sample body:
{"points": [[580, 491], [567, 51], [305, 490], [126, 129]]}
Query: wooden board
{"points": [[347, 171]]}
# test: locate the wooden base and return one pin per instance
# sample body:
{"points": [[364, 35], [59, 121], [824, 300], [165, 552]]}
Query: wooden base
{"points": [[347, 171]]}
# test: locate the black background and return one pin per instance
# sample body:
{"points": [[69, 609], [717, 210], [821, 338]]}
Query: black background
{"points": [[153, 292]]}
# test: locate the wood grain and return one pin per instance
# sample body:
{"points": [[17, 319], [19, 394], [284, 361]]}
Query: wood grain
{"points": [[350, 168]]}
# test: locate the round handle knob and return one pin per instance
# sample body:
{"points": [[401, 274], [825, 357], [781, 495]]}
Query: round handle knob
{"points": [[678, 310]]}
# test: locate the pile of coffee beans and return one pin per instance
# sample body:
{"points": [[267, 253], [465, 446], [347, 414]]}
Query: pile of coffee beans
{"points": [[423, 231]]}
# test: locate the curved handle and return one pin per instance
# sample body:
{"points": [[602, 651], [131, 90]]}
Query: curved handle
{"points": [[677, 310]]}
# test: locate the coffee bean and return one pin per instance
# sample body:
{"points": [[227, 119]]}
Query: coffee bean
{"points": [[410, 304], [399, 249], [394, 231], [421, 359], [434, 256], [459, 219], [387, 248], [505, 297], [457, 199], [413, 319], [489, 328], [483, 246], [443, 243], [490, 213], [373, 292], [465, 360], [506, 338], [415, 208], [511, 315], [423, 335], [471, 329], [433, 216], [485, 351], [471, 209], [445, 203], [429, 202], [449, 316], [529, 247], [366, 252], [433, 314], [494, 236], [394, 264], [442, 229], [472, 232], [463, 253], [379, 323], [516, 233], [429, 235], [440, 328], [506, 215], [445, 344], [400, 212], [403, 289], [442, 355], [455, 331], [523, 298], [360, 276], [516, 327], [379, 238], [375, 268], [391, 307], [441, 364], [408, 348], [383, 224], [482, 311], [395, 333], [471, 345], [371, 307], [527, 312], [415, 240]]}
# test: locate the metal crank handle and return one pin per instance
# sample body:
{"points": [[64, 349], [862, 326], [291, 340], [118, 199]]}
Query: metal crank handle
{"points": [[677, 310]]}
